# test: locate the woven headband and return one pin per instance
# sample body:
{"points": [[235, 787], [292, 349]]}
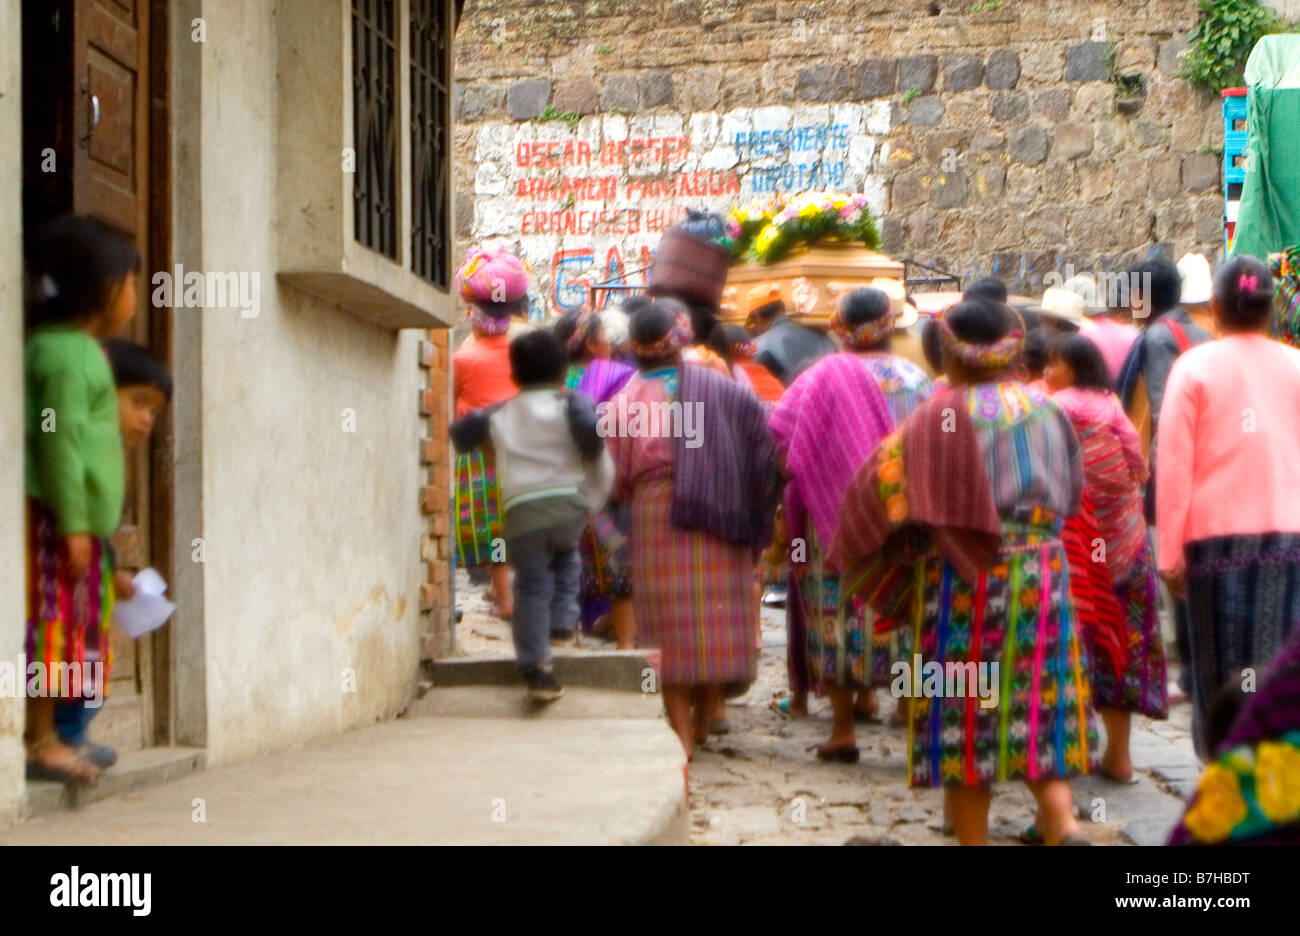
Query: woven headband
{"points": [[485, 324], [679, 336], [1001, 353], [865, 334], [581, 331]]}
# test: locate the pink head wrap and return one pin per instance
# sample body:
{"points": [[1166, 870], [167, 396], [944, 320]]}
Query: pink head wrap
{"points": [[492, 277]]}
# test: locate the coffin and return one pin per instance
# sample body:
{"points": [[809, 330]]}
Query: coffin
{"points": [[811, 280]]}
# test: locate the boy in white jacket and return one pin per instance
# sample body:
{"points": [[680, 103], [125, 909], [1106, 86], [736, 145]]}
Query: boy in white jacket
{"points": [[553, 471]]}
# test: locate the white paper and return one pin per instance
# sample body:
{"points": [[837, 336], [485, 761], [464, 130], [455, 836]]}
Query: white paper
{"points": [[147, 610]]}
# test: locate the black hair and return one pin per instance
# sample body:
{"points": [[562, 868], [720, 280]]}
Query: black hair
{"points": [[979, 321], [719, 343], [75, 263], [932, 345], [1166, 285], [865, 304], [703, 322], [501, 310], [1244, 305], [648, 324], [770, 310], [1034, 354], [566, 326], [537, 357], [1084, 358], [986, 287], [634, 302], [136, 366]]}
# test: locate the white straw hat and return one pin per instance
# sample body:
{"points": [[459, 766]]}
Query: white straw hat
{"points": [[1062, 303], [1197, 281]]}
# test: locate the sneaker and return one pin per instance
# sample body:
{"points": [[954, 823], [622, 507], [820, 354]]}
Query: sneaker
{"points": [[542, 685]]}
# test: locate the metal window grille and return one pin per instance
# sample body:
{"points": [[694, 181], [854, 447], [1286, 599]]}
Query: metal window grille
{"points": [[430, 143], [374, 114]]}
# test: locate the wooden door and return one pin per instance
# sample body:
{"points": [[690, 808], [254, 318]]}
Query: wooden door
{"points": [[110, 180]]}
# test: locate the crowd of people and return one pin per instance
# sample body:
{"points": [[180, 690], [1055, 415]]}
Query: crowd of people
{"points": [[976, 492]]}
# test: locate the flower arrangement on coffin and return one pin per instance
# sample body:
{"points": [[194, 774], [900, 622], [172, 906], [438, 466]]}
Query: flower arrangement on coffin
{"points": [[766, 231]]}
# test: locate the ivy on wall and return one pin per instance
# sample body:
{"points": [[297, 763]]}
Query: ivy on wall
{"points": [[1222, 40]]}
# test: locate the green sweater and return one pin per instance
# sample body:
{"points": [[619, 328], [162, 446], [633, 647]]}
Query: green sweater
{"points": [[75, 465]]}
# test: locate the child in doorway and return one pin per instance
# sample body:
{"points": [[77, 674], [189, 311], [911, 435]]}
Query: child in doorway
{"points": [[144, 386], [554, 473], [83, 281]]}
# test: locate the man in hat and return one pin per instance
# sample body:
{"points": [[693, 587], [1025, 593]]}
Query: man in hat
{"points": [[784, 347], [1102, 324], [1197, 285]]}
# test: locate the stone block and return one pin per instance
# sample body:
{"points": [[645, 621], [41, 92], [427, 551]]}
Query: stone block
{"points": [[576, 96], [1201, 172], [1003, 70], [619, 91], [1072, 141], [962, 72], [1164, 179], [918, 73], [1168, 58], [1053, 103], [527, 98], [824, 83], [480, 101], [1087, 61], [1010, 106], [656, 88], [877, 77], [1028, 145], [925, 111]]}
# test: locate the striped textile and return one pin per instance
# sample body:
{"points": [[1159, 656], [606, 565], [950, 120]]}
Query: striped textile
{"points": [[826, 425], [1243, 599], [604, 560], [838, 634], [476, 509], [1142, 684], [1101, 619], [66, 622], [693, 594], [1017, 615]]}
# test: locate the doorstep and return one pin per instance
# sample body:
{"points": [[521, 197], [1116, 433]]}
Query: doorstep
{"points": [[133, 771]]}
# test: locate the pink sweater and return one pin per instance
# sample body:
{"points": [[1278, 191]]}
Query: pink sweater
{"points": [[1229, 444]]}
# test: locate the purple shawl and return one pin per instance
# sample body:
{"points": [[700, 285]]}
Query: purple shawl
{"points": [[827, 423], [727, 485], [602, 378]]}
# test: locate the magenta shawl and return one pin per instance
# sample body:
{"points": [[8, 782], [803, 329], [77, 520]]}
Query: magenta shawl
{"points": [[827, 424]]}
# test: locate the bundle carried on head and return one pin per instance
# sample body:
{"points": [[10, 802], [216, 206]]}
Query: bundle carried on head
{"points": [[691, 261], [495, 284]]}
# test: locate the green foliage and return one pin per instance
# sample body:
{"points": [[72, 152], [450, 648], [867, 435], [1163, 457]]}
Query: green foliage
{"points": [[910, 93], [1222, 41], [569, 117], [987, 7], [604, 49]]}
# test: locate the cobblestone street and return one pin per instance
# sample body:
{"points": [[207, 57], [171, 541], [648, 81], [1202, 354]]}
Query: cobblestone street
{"points": [[761, 783]]}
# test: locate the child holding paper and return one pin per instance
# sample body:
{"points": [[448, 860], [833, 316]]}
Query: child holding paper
{"points": [[144, 386]]}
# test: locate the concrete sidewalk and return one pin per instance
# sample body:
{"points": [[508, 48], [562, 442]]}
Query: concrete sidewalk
{"points": [[561, 776]]}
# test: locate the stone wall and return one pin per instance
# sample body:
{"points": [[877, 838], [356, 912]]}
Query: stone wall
{"points": [[1013, 141]]}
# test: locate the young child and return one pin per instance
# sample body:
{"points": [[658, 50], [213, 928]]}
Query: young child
{"points": [[144, 386], [554, 473], [83, 280], [1114, 472]]}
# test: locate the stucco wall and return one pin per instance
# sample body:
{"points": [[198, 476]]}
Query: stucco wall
{"points": [[311, 533], [12, 561], [1002, 142]]}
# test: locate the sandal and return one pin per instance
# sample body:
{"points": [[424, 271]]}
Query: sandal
{"points": [[781, 706], [1122, 781], [81, 773], [842, 755], [1030, 837]]}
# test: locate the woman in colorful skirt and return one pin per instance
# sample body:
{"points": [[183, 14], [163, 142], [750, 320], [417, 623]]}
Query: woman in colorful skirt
{"points": [[1228, 518], [75, 477], [605, 582], [1114, 472], [496, 287], [826, 425], [700, 494], [952, 527]]}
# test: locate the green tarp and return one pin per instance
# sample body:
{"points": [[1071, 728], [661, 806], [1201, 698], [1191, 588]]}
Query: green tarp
{"points": [[1268, 219]]}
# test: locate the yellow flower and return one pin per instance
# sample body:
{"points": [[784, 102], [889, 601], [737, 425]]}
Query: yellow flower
{"points": [[809, 211], [1277, 780], [766, 236], [1218, 806]]}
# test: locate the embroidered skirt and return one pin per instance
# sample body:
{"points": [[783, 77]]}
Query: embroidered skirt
{"points": [[67, 622], [692, 593], [1143, 685], [476, 510], [838, 637], [1243, 598], [604, 560], [1015, 624]]}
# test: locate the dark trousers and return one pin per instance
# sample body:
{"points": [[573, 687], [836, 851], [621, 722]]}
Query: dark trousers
{"points": [[547, 568]]}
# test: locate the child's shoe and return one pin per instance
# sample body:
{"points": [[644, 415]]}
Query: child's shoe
{"points": [[542, 685]]}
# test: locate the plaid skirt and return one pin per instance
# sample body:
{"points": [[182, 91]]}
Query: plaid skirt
{"points": [[1243, 598], [476, 510], [67, 622], [1143, 686], [1015, 624], [692, 593], [839, 637]]}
